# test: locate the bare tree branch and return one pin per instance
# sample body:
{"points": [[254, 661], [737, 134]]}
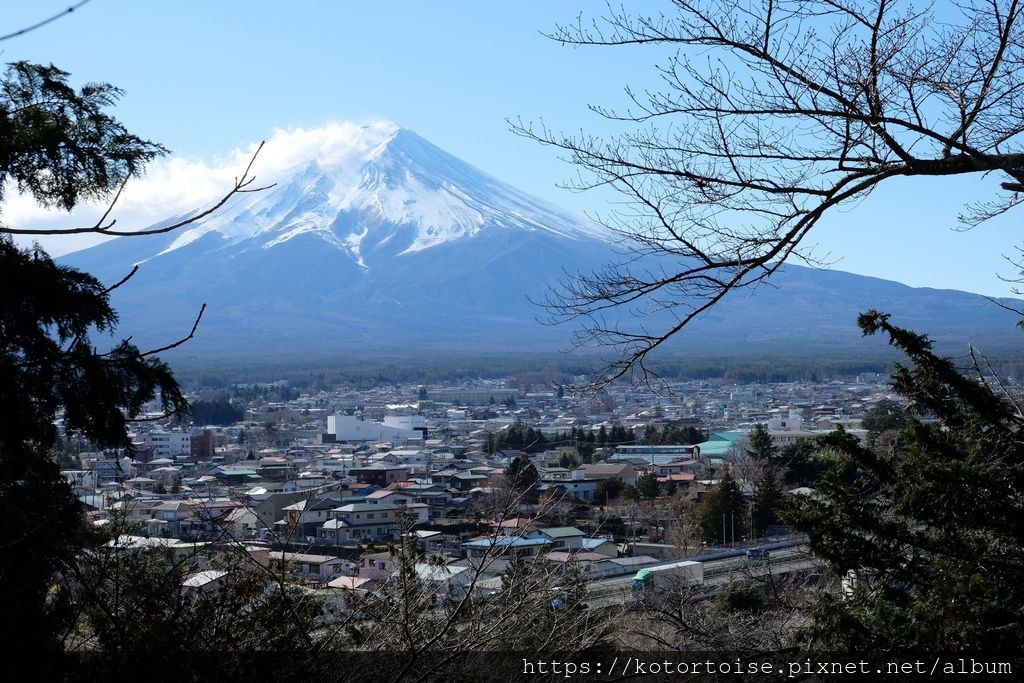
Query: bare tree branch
{"points": [[44, 22], [101, 227], [771, 116], [123, 280], [181, 341]]}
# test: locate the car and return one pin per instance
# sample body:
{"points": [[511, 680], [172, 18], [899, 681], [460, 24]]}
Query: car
{"points": [[757, 553], [563, 597]]}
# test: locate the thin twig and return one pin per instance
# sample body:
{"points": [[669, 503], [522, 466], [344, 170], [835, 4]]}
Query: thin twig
{"points": [[181, 341], [123, 280], [242, 185], [44, 22]]}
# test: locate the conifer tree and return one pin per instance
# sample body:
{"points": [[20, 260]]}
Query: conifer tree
{"points": [[521, 473], [721, 509], [761, 447], [928, 534], [647, 487], [766, 506], [60, 146]]}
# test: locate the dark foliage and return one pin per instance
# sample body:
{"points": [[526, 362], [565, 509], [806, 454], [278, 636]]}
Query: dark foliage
{"points": [[522, 475], [647, 487], [519, 437], [722, 511], [522, 437], [884, 416], [928, 533], [802, 463], [671, 434], [760, 445], [609, 489], [58, 143], [766, 505], [216, 412]]}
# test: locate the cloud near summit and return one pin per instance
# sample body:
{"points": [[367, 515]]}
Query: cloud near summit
{"points": [[175, 185]]}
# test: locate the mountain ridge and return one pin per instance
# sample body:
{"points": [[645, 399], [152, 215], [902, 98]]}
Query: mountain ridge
{"points": [[387, 240]]}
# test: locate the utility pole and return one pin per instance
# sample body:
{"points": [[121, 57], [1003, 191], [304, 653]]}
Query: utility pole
{"points": [[632, 524]]}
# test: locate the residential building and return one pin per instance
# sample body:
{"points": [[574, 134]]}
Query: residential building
{"points": [[319, 568], [166, 444], [380, 475], [599, 471], [358, 522]]}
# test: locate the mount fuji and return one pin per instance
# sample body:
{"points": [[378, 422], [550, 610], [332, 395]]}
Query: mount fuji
{"points": [[383, 241]]}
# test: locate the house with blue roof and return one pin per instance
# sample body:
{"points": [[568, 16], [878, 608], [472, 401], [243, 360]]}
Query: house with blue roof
{"points": [[501, 546]]}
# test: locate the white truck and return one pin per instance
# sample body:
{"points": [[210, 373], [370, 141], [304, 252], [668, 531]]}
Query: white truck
{"points": [[670, 576]]}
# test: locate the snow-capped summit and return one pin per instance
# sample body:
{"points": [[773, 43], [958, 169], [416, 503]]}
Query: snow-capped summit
{"points": [[381, 190], [368, 233]]}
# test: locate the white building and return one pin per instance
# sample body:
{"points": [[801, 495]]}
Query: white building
{"points": [[793, 422], [168, 444], [394, 428], [407, 421], [81, 478], [785, 429]]}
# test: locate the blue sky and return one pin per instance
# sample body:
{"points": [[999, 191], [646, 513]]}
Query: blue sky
{"points": [[208, 78]]}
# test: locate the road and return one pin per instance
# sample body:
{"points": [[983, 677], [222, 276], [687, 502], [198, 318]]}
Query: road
{"points": [[618, 590]]}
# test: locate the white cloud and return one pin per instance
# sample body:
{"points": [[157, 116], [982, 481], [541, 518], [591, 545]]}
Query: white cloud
{"points": [[175, 185]]}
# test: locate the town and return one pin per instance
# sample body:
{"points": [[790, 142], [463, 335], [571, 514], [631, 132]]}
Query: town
{"points": [[325, 485]]}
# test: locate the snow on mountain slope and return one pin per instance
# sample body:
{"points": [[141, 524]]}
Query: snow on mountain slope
{"points": [[388, 177], [378, 239]]}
